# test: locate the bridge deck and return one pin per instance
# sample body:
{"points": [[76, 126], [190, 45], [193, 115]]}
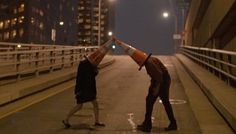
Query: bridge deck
{"points": [[121, 95]]}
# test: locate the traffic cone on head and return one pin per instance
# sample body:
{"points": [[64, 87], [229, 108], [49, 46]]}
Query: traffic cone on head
{"points": [[138, 56], [96, 57]]}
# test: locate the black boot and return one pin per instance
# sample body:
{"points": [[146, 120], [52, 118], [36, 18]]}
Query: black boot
{"points": [[98, 124], [145, 127], [172, 126], [66, 124]]}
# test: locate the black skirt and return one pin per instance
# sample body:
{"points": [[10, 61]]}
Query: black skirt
{"points": [[85, 89], [81, 98]]}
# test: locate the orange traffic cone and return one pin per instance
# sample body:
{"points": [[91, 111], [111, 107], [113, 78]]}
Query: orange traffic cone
{"points": [[138, 56], [96, 57]]}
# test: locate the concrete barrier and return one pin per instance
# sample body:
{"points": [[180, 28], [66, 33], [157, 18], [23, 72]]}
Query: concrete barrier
{"points": [[17, 90]]}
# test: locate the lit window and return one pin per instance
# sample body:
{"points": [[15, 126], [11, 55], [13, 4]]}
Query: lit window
{"points": [[95, 27], [6, 23], [81, 20], [87, 26], [41, 13], [13, 34], [82, 8], [1, 25], [95, 9], [13, 21], [21, 8], [6, 36], [15, 11], [41, 25], [32, 20], [21, 32], [88, 20], [21, 19]]}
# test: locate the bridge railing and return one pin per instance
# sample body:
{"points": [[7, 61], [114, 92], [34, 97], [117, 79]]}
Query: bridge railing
{"points": [[20, 60], [222, 63]]}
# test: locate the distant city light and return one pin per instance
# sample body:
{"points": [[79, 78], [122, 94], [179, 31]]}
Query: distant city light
{"points": [[19, 45], [61, 23], [165, 14], [110, 33]]}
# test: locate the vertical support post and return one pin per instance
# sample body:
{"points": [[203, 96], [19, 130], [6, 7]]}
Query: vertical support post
{"points": [[229, 68], [51, 60], [18, 66], [37, 64], [62, 59]]}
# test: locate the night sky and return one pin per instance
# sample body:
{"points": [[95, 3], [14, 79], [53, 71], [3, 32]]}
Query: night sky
{"points": [[140, 24]]}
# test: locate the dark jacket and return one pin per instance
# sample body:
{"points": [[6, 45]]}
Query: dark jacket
{"points": [[158, 73], [85, 89]]}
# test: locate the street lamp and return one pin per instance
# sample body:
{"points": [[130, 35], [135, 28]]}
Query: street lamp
{"points": [[165, 14], [176, 36], [54, 31], [99, 21], [61, 23], [110, 33]]}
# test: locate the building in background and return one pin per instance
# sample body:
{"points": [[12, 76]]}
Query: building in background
{"points": [[88, 25], [207, 26], [61, 22], [38, 21]]}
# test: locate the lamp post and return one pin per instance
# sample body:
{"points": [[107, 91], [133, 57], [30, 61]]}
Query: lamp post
{"points": [[166, 15], [99, 21], [176, 36]]}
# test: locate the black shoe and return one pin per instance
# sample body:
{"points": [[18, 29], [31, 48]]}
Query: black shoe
{"points": [[172, 126], [97, 124], [66, 124], [144, 128]]}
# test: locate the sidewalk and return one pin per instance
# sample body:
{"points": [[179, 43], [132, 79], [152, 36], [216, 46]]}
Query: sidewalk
{"points": [[17, 90], [222, 96]]}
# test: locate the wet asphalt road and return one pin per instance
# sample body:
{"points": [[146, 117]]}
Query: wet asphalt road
{"points": [[121, 94]]}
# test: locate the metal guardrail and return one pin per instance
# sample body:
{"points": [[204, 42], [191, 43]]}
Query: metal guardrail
{"points": [[219, 62], [19, 60]]}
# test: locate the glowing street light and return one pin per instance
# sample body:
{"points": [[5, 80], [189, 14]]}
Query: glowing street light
{"points": [[165, 14], [61, 23], [113, 47], [110, 33]]}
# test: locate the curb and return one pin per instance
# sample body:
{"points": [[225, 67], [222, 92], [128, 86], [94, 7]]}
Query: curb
{"points": [[219, 99]]}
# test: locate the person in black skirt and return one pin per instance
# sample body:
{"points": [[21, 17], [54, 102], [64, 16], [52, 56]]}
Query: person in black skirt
{"points": [[85, 91]]}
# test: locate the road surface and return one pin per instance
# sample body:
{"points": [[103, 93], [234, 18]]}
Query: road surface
{"points": [[121, 94]]}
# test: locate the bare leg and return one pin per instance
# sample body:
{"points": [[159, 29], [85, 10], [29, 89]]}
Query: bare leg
{"points": [[72, 111], [96, 113]]}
